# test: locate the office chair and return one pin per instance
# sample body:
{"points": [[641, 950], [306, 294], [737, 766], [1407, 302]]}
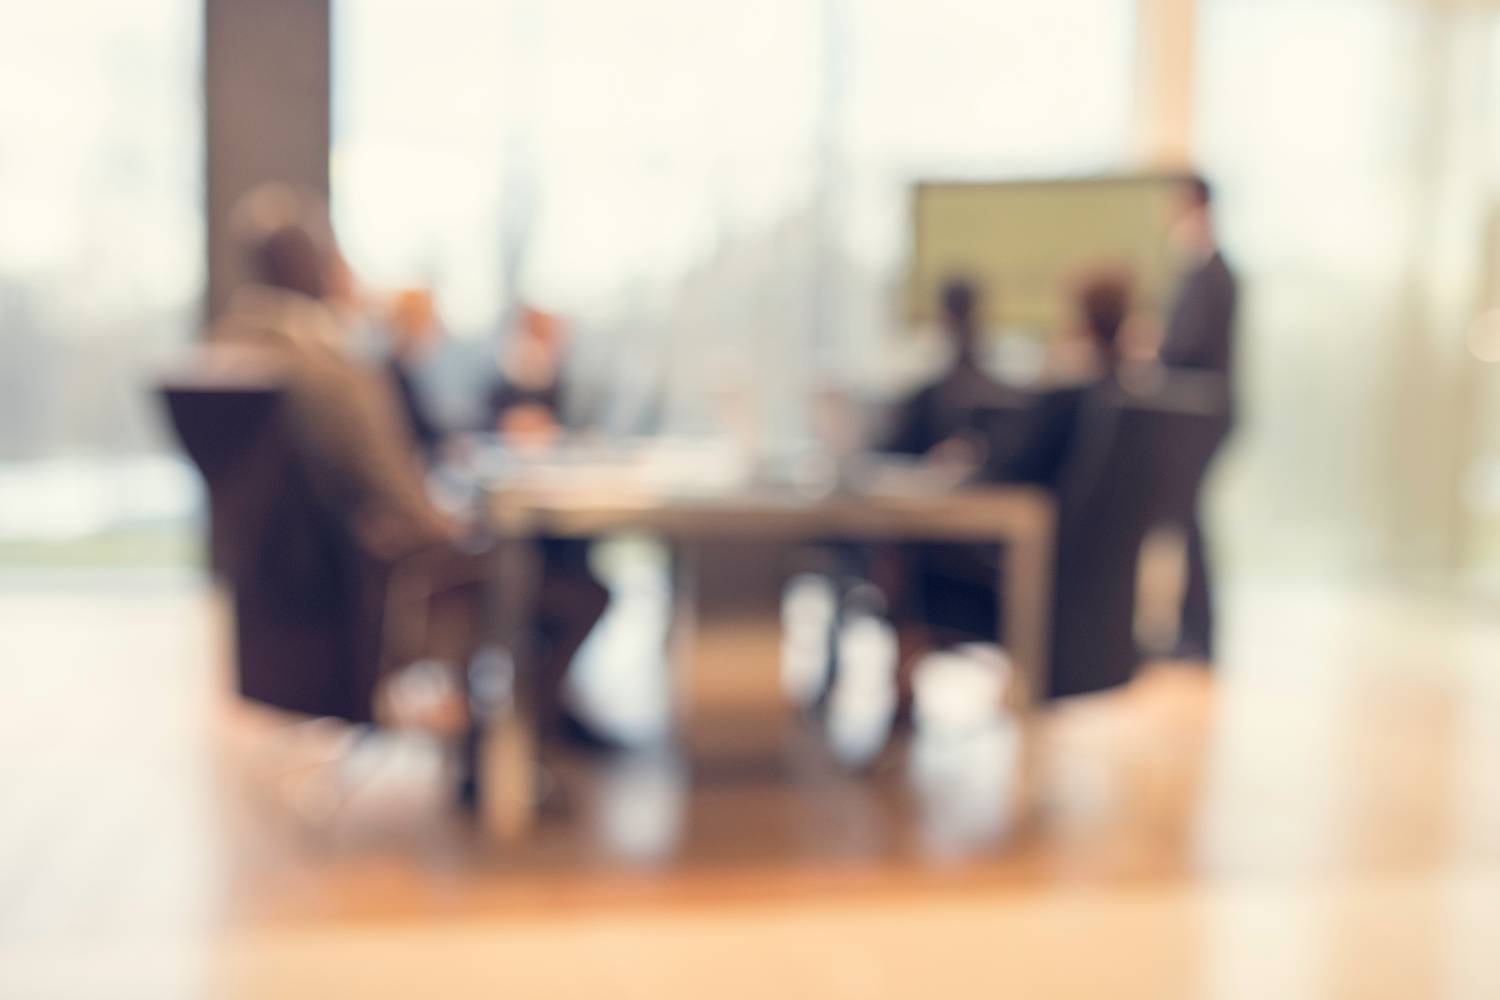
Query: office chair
{"points": [[1139, 452], [319, 620], [308, 599]]}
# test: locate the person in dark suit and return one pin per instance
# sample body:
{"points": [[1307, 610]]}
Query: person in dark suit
{"points": [[1200, 327], [413, 327], [1037, 446], [944, 594], [942, 412], [1200, 337], [949, 594], [525, 401], [525, 408]]}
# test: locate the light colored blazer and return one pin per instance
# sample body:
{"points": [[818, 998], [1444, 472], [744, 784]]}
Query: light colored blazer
{"points": [[344, 415]]}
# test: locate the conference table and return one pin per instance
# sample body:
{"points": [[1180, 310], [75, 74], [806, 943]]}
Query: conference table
{"points": [[694, 493]]}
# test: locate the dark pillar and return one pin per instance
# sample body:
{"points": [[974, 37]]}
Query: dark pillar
{"points": [[266, 110]]}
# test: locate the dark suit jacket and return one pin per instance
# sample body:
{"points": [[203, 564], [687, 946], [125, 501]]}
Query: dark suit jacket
{"points": [[505, 395], [953, 404], [424, 429], [1027, 436], [1031, 444], [1200, 329]]}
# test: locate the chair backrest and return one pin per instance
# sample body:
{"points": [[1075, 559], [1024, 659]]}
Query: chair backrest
{"points": [[1195, 408], [1137, 457], [233, 436], [307, 601], [1028, 433]]}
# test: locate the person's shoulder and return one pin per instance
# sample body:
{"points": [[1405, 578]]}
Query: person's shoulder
{"points": [[920, 394], [276, 314], [243, 339], [1220, 270], [226, 363]]}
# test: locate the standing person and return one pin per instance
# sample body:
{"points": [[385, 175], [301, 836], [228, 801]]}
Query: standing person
{"points": [[1200, 337]]}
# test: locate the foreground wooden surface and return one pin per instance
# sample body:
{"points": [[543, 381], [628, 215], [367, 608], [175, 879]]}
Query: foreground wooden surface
{"points": [[1325, 821]]}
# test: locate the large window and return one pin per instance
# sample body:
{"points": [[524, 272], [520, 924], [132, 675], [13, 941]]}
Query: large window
{"points": [[712, 192], [1357, 184], [100, 267]]}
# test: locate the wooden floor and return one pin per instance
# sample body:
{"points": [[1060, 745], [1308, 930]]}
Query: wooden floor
{"points": [[1324, 821]]}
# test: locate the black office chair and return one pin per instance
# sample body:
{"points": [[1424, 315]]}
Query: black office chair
{"points": [[1027, 433], [309, 601], [1139, 452]]}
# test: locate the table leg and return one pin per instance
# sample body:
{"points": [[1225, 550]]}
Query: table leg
{"points": [[1026, 603], [682, 639], [508, 758]]}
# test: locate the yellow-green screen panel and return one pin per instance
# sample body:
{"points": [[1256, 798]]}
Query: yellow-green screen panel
{"points": [[1026, 241]]}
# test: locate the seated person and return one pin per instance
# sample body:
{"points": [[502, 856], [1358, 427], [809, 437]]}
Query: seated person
{"points": [[524, 408], [413, 327], [1102, 303], [525, 402], [945, 594], [942, 412], [357, 446], [939, 422]]}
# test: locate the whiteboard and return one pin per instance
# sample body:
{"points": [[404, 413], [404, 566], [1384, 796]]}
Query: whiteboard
{"points": [[1027, 242]]}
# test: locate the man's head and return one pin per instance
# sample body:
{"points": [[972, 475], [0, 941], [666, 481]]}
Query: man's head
{"points": [[1192, 224], [287, 241], [961, 313], [1104, 305], [1196, 193], [413, 322]]}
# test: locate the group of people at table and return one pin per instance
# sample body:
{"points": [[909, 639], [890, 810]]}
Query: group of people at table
{"points": [[367, 437]]}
